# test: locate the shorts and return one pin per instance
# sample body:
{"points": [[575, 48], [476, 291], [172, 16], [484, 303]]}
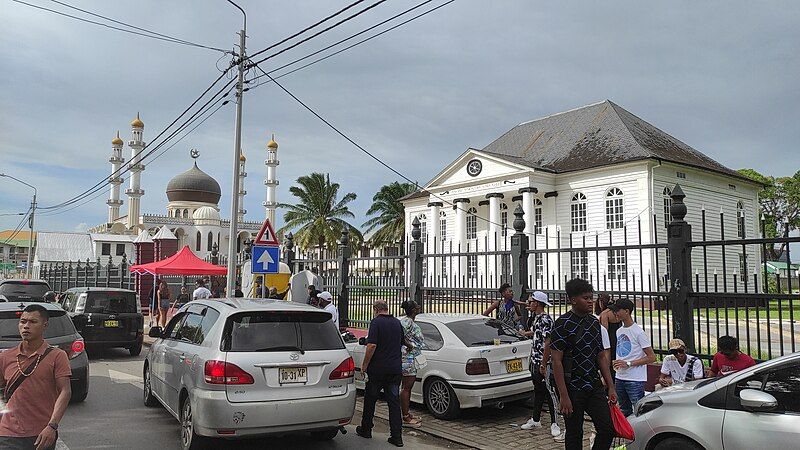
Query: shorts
{"points": [[165, 303], [409, 368]]}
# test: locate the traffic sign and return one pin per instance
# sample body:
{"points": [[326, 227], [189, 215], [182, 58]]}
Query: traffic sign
{"points": [[266, 259], [267, 235]]}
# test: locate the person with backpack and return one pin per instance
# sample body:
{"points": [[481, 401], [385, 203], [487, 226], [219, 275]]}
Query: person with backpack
{"points": [[35, 379], [679, 367]]}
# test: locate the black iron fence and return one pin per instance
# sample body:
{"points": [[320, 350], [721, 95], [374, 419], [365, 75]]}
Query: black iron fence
{"points": [[694, 284]]}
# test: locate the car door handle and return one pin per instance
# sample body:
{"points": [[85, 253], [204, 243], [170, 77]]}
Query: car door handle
{"points": [[181, 357]]}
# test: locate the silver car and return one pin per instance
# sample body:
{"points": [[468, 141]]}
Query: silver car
{"points": [[758, 407], [231, 368]]}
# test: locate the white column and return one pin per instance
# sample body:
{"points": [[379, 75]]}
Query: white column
{"points": [[271, 182], [460, 268], [495, 232], [242, 191], [527, 208], [434, 241], [115, 180], [134, 191]]}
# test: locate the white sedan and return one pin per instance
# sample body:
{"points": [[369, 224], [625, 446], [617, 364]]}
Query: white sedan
{"points": [[473, 361]]}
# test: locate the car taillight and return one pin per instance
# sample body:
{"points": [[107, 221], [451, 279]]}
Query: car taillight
{"points": [[347, 369], [76, 348], [478, 366], [222, 372]]}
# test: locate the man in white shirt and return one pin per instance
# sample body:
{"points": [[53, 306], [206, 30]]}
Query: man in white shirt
{"points": [[201, 291], [325, 302], [634, 353], [678, 366]]}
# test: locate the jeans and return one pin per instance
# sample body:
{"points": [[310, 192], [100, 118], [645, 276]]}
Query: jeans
{"points": [[21, 443], [541, 394], [628, 393], [594, 403], [390, 385]]}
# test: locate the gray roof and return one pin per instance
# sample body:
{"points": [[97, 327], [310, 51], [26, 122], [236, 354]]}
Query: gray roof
{"points": [[592, 136], [57, 246], [107, 237], [194, 185]]}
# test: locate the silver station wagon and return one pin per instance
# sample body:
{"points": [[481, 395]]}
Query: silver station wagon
{"points": [[233, 368]]}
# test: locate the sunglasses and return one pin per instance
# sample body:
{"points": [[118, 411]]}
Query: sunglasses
{"points": [[677, 351]]}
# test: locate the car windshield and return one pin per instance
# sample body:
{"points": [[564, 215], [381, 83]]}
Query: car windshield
{"points": [[110, 302], [14, 289], [483, 331], [282, 331], [60, 325]]}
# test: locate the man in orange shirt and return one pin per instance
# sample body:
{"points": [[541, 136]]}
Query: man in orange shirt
{"points": [[35, 381]]}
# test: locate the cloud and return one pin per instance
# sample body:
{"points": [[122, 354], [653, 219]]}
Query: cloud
{"points": [[81, 227]]}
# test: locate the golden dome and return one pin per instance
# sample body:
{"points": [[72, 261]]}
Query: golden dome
{"points": [[137, 122], [272, 144], [242, 158], [117, 140]]}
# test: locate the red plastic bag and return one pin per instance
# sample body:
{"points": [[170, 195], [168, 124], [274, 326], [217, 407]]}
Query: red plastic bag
{"points": [[622, 428]]}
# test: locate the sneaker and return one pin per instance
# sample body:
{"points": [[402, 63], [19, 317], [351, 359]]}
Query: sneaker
{"points": [[530, 424], [364, 432], [591, 439], [397, 441], [560, 437], [555, 430]]}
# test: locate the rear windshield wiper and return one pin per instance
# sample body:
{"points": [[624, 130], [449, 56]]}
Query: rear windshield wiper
{"points": [[281, 348], [481, 343]]}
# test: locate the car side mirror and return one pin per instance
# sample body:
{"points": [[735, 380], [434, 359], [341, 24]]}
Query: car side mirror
{"points": [[155, 332], [362, 341], [757, 401]]}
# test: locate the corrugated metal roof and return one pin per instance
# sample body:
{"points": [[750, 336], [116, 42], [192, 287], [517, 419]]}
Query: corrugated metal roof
{"points": [[103, 237], [58, 246]]}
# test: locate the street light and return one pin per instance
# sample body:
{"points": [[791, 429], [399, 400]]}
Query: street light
{"points": [[30, 223]]}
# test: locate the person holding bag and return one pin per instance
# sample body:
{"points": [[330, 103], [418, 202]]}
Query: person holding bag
{"points": [[413, 360]]}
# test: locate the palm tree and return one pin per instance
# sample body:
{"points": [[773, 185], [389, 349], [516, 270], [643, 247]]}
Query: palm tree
{"points": [[318, 215], [390, 220]]}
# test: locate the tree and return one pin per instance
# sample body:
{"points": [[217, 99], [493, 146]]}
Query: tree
{"points": [[319, 216], [390, 220], [780, 205]]}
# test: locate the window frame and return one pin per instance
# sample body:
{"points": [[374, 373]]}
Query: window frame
{"points": [[422, 326], [105, 249], [615, 209], [617, 259], [667, 203], [577, 212], [471, 225]]}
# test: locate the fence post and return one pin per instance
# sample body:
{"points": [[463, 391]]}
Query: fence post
{"points": [[519, 256], [288, 251], [679, 234], [415, 263], [343, 260], [97, 272], [123, 273]]}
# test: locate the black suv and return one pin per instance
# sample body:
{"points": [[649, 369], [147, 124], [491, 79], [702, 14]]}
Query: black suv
{"points": [[106, 317], [60, 332], [23, 290]]}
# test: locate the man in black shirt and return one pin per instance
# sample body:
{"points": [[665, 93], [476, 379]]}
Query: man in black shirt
{"points": [[383, 366], [579, 348]]}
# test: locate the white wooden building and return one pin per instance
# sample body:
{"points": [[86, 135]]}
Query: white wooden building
{"points": [[592, 176]]}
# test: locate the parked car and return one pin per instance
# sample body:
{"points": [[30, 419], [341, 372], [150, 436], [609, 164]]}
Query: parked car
{"points": [[106, 317], [758, 407], [23, 290], [473, 361], [60, 332], [233, 368]]}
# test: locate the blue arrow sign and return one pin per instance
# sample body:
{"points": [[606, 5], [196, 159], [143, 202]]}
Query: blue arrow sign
{"points": [[266, 259]]}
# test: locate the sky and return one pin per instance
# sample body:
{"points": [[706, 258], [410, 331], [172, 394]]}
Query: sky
{"points": [[718, 75]]}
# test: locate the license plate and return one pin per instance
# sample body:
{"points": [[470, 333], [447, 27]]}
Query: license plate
{"points": [[288, 375], [514, 365], [111, 323]]}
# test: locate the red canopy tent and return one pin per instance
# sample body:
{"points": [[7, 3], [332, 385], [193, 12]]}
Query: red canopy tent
{"points": [[182, 263]]}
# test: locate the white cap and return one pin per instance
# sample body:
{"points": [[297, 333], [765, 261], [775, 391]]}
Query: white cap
{"points": [[541, 297], [325, 295]]}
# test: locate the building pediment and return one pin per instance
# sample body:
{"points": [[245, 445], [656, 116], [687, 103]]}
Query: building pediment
{"points": [[476, 167]]}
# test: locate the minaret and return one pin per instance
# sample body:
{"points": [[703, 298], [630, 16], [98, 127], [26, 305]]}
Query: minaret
{"points": [[134, 191], [242, 191], [270, 204], [115, 180]]}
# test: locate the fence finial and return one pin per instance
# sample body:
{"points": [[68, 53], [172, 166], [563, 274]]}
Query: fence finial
{"points": [[678, 208], [519, 222], [289, 241], [416, 233], [345, 239]]}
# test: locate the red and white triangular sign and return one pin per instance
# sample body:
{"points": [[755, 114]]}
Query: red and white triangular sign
{"points": [[267, 235]]}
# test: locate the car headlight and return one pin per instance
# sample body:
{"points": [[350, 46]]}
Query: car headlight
{"points": [[647, 404]]}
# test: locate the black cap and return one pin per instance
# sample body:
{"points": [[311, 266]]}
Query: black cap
{"points": [[622, 303]]}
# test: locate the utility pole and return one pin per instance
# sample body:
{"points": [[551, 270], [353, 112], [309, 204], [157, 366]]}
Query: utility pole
{"points": [[29, 264], [237, 151]]}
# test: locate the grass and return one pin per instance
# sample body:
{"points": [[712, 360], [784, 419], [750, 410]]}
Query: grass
{"points": [[771, 310]]}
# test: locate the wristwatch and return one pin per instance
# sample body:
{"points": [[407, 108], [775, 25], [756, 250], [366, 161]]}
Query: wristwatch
{"points": [[53, 425], [629, 364]]}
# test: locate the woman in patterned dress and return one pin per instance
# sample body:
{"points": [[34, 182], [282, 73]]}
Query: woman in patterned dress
{"points": [[414, 341]]}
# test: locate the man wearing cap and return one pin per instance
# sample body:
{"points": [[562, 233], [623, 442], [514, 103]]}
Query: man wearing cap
{"points": [[634, 353], [678, 366], [325, 302], [541, 326]]}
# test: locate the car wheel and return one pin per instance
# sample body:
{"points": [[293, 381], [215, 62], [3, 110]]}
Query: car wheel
{"points": [[189, 439], [326, 435], [149, 399], [441, 400], [136, 349], [677, 443]]}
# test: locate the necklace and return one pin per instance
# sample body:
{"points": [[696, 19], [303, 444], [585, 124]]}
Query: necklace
{"points": [[22, 372]]}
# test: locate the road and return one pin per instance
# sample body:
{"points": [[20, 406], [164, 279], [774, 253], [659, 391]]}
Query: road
{"points": [[113, 416]]}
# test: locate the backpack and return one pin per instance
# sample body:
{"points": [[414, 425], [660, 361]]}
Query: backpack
{"points": [[690, 371]]}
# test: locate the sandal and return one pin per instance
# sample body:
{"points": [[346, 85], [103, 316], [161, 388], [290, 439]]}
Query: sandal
{"points": [[412, 422]]}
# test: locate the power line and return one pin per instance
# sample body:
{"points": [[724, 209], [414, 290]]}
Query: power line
{"points": [[153, 35], [18, 228]]}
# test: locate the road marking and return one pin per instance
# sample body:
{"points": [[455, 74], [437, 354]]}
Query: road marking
{"points": [[124, 378]]}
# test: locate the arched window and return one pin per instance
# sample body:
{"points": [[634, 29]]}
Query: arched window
{"points": [[198, 244], [537, 216], [667, 205], [615, 217], [740, 219], [210, 243], [503, 219], [472, 223], [577, 212], [443, 225], [185, 213], [423, 227]]}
